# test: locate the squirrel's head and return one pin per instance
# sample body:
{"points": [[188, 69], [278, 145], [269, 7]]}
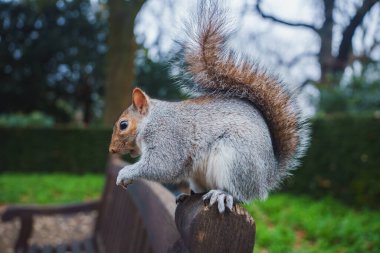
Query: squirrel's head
{"points": [[125, 129]]}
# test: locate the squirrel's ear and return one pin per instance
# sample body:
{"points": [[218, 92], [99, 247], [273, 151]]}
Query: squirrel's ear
{"points": [[140, 101]]}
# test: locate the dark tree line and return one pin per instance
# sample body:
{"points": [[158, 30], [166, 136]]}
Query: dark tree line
{"points": [[51, 57], [61, 56]]}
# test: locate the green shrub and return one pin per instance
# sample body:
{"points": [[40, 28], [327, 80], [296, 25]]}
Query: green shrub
{"points": [[343, 161], [34, 119], [361, 92], [56, 149]]}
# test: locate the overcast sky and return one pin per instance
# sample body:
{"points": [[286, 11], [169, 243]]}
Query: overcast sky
{"points": [[256, 36]]}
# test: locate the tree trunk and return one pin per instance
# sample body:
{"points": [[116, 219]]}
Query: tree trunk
{"points": [[325, 58], [332, 67], [345, 48], [120, 58]]}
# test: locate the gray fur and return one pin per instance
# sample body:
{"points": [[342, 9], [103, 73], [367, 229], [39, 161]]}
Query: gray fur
{"points": [[175, 136]]}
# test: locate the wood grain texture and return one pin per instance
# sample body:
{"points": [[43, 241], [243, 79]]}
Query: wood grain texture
{"points": [[204, 229], [156, 206]]}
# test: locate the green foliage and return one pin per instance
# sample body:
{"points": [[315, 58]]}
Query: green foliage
{"points": [[48, 189], [343, 161], [51, 51], [34, 119], [287, 223], [53, 60], [57, 149], [360, 93], [154, 77]]}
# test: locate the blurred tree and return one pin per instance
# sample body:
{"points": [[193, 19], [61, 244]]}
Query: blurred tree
{"points": [[360, 93], [153, 76], [332, 64], [50, 57], [120, 72], [34, 119]]}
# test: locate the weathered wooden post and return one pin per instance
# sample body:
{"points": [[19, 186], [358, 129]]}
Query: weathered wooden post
{"points": [[203, 229]]}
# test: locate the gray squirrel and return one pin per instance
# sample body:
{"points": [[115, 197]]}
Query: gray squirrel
{"points": [[238, 137]]}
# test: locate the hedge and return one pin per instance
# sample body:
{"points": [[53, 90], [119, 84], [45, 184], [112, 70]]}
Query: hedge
{"points": [[54, 149], [343, 159]]}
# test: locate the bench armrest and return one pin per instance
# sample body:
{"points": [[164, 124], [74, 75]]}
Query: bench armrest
{"points": [[28, 211]]}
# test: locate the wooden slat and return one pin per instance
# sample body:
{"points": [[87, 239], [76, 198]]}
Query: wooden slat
{"points": [[138, 238], [141, 217], [102, 229], [27, 212], [156, 205], [119, 219], [146, 247], [136, 225], [24, 234], [131, 222]]}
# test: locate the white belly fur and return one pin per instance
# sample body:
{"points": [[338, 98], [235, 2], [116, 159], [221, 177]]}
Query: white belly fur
{"points": [[212, 170]]}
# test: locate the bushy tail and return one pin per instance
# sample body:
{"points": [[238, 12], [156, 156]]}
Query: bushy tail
{"points": [[213, 69]]}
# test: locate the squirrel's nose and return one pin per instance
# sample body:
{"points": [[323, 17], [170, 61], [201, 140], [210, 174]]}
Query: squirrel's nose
{"points": [[112, 150]]}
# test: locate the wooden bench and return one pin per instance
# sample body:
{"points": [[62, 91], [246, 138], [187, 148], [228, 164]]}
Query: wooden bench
{"points": [[144, 218]]}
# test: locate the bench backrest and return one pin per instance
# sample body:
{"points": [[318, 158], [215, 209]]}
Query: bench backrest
{"points": [[139, 219], [144, 218]]}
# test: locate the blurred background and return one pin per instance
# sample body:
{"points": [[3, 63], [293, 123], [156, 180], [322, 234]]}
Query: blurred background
{"points": [[67, 69]]}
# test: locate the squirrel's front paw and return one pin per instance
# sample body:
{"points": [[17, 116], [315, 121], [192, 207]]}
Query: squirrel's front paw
{"points": [[122, 180], [224, 199]]}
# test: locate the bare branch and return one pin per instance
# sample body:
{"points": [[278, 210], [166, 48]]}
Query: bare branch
{"points": [[295, 60], [345, 47], [305, 83], [375, 44], [284, 22], [301, 56]]}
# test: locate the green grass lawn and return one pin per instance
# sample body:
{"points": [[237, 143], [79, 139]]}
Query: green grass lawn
{"points": [[49, 188], [285, 223]]}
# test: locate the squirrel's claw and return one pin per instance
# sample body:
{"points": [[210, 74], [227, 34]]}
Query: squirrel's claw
{"points": [[122, 181], [224, 199]]}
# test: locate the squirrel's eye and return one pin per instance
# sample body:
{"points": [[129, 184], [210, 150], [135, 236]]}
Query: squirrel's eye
{"points": [[123, 125]]}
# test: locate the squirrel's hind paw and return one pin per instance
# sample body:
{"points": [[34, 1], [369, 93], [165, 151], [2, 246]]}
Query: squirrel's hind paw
{"points": [[224, 199]]}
